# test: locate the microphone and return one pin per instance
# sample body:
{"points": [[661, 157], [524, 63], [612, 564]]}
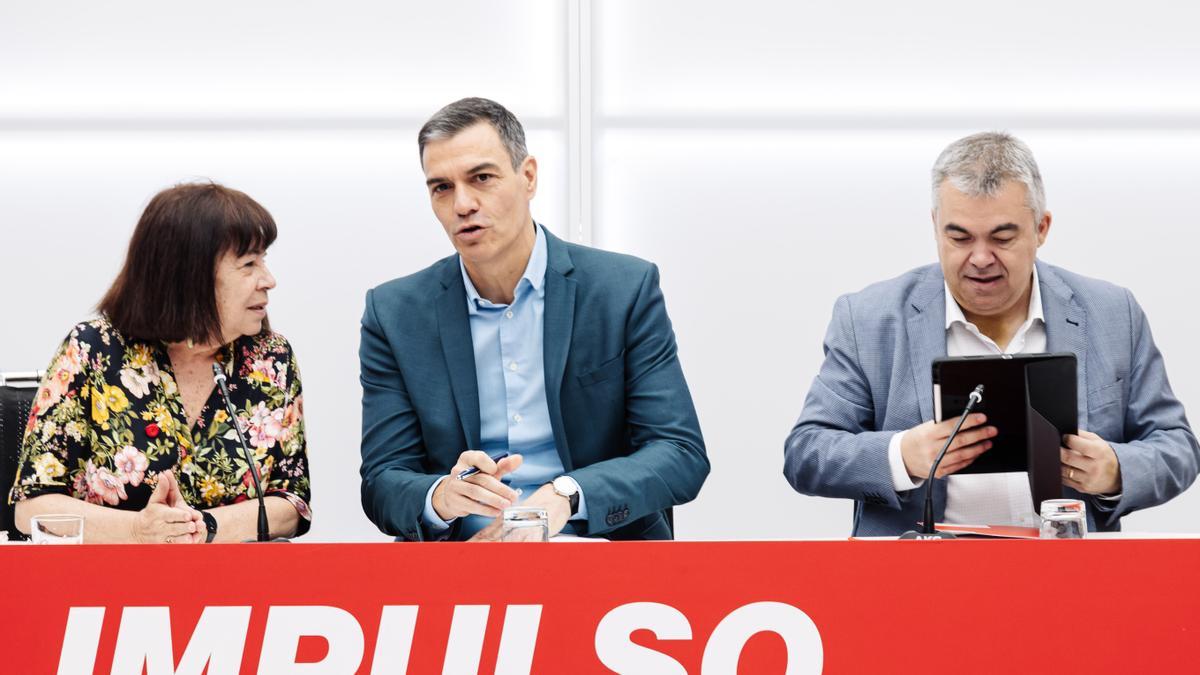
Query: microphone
{"points": [[263, 529], [927, 529]]}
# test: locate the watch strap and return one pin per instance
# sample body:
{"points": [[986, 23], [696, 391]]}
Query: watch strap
{"points": [[210, 523]]}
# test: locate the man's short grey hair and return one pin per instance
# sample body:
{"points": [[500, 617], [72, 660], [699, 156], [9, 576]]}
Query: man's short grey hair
{"points": [[467, 112], [979, 165]]}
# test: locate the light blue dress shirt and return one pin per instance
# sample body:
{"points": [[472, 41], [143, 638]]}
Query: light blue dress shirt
{"points": [[509, 372]]}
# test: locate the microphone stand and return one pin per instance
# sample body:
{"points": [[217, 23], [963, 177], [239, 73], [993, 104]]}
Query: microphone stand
{"points": [[928, 531], [263, 529]]}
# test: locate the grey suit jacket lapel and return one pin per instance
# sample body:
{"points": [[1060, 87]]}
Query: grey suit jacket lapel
{"points": [[558, 322], [926, 335], [1066, 328], [454, 332]]}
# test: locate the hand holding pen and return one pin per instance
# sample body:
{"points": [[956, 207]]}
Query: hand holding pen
{"points": [[464, 474], [473, 486]]}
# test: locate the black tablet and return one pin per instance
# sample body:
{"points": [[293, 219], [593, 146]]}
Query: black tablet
{"points": [[1031, 399]]}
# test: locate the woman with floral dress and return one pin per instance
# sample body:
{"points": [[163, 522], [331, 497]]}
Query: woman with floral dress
{"points": [[128, 428]]}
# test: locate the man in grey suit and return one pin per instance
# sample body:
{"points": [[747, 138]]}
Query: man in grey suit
{"points": [[559, 355], [866, 432]]}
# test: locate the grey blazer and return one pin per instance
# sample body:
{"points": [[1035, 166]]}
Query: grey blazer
{"points": [[623, 420], [876, 381]]}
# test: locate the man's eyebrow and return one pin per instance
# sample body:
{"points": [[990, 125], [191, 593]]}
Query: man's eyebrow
{"points": [[478, 168], [486, 166], [958, 229]]}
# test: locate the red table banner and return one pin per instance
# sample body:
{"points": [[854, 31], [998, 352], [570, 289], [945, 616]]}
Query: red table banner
{"points": [[662, 608]]}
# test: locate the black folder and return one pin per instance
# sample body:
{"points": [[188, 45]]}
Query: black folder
{"points": [[1031, 399]]}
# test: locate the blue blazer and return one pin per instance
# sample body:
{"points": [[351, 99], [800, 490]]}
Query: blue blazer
{"points": [[876, 380], [622, 416]]}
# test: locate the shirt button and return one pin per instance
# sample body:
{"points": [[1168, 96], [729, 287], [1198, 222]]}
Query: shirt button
{"points": [[517, 417], [512, 366], [508, 314]]}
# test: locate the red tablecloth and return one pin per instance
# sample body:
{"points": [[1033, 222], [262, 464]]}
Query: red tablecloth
{"points": [[772, 607]]}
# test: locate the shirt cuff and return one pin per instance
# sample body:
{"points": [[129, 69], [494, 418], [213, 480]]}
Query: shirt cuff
{"points": [[429, 516], [301, 507], [900, 478], [1107, 503], [581, 512]]}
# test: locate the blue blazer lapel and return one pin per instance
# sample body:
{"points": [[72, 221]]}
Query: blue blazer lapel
{"points": [[557, 324], [454, 332], [926, 335], [1066, 328]]}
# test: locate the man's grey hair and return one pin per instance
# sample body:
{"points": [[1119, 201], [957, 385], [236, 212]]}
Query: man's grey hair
{"points": [[979, 164], [467, 112]]}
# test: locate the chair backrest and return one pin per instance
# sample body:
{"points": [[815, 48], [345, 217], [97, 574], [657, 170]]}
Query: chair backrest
{"points": [[17, 391]]}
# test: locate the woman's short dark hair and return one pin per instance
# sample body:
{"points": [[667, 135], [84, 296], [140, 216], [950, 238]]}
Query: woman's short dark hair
{"points": [[167, 288]]}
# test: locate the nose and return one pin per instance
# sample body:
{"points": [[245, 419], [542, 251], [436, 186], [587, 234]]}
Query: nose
{"points": [[982, 256], [465, 202], [266, 281]]}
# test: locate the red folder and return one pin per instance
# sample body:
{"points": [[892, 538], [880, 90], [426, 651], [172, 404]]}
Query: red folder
{"points": [[999, 531]]}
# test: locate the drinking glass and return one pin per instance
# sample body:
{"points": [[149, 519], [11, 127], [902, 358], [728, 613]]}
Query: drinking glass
{"points": [[1063, 519], [56, 529], [525, 523]]}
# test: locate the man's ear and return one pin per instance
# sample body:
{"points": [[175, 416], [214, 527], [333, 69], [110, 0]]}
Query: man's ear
{"points": [[1043, 228], [529, 172]]}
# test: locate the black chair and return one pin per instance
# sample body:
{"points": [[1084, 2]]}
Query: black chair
{"points": [[17, 391]]}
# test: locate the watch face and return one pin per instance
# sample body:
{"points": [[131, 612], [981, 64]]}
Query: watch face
{"points": [[564, 487]]}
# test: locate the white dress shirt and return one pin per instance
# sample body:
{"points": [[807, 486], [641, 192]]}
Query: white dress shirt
{"points": [[985, 498]]}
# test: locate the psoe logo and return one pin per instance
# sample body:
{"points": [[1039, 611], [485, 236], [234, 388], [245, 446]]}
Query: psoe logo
{"points": [[217, 644]]}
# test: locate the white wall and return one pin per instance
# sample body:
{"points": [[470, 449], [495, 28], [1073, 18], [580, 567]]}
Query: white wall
{"points": [[311, 108], [769, 156], [773, 156]]}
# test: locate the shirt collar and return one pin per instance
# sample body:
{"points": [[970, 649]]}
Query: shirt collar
{"points": [[954, 313], [534, 276]]}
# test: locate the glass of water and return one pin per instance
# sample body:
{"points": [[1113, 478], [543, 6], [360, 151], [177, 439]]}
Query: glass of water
{"points": [[56, 529], [525, 523], [1063, 519]]}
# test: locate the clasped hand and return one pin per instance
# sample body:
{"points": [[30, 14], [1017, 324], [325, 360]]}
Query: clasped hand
{"points": [[482, 494], [167, 518]]}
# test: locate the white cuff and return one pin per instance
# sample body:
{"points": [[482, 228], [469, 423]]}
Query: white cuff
{"points": [[429, 516], [900, 478]]}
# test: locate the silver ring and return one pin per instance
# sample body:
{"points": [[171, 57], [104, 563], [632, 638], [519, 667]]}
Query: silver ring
{"points": [[1071, 474]]}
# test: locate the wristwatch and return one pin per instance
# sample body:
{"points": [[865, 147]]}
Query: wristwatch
{"points": [[565, 486], [211, 523]]}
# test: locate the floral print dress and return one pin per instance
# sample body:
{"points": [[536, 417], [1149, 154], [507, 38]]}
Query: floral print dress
{"points": [[108, 418]]}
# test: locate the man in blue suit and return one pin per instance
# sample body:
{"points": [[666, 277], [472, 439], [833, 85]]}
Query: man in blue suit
{"points": [[866, 432], [560, 355]]}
